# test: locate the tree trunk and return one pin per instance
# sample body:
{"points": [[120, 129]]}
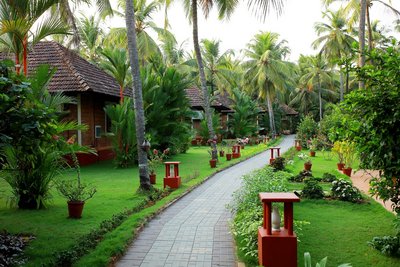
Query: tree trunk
{"points": [[25, 55], [203, 82], [320, 99], [370, 37], [121, 94], [271, 115], [361, 39], [341, 85], [137, 95], [18, 66]]}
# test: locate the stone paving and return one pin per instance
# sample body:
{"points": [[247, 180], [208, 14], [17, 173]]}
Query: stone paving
{"points": [[194, 230]]}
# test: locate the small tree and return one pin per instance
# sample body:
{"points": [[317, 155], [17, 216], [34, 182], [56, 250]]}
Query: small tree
{"points": [[306, 130]]}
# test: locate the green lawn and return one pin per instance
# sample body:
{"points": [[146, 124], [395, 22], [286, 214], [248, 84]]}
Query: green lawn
{"points": [[340, 230], [116, 193]]}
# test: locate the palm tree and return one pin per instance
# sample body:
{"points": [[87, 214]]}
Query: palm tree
{"points": [[266, 71], [64, 8], [91, 36], [18, 18], [217, 66], [336, 42], [116, 63], [316, 73], [137, 95], [146, 44]]}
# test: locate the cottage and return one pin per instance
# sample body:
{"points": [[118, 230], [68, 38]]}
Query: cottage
{"points": [[90, 86]]}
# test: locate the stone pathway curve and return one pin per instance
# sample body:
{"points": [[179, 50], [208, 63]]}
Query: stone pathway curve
{"points": [[194, 230]]}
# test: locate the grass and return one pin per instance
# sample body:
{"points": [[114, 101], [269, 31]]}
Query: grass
{"points": [[337, 229], [117, 192]]}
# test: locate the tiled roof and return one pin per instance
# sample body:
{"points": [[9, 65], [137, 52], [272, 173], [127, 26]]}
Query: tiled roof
{"points": [[73, 74], [288, 110], [195, 96]]}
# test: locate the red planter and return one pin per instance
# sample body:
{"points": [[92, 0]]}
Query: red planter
{"points": [[340, 166], [221, 153], [152, 178], [228, 156], [312, 153], [194, 142], [213, 163], [347, 171], [75, 209], [298, 148], [307, 166]]}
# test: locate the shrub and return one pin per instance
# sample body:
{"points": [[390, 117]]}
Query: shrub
{"points": [[344, 190], [306, 130], [312, 189], [387, 245], [301, 176], [278, 164], [328, 177], [11, 249]]}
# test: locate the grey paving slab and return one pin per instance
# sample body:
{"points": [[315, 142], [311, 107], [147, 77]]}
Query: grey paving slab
{"points": [[194, 231]]}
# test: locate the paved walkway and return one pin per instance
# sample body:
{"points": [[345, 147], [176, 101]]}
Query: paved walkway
{"points": [[194, 230]]}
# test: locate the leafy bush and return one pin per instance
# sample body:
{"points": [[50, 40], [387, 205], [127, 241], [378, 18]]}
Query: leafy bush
{"points": [[301, 176], [248, 207], [306, 130], [11, 249], [312, 189], [344, 190], [387, 245], [328, 177], [278, 164]]}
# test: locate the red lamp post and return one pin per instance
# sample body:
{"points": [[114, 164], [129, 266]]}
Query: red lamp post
{"points": [[278, 151], [172, 178], [236, 151]]}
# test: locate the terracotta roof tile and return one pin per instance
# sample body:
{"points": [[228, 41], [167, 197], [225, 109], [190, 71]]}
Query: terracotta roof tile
{"points": [[196, 100]]}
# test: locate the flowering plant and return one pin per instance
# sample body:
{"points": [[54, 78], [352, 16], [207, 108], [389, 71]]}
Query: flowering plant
{"points": [[242, 141], [312, 144], [304, 157], [156, 158]]}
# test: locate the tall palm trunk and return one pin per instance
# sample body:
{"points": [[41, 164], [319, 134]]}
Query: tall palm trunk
{"points": [[370, 38], [17, 64], [341, 85], [271, 115], [361, 39], [137, 95], [25, 54], [121, 94], [203, 82], [320, 99]]}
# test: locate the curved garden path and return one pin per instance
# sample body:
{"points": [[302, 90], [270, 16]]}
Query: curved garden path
{"points": [[194, 230]]}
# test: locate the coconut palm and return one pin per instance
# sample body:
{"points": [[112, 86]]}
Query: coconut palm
{"points": [[266, 71], [116, 63], [137, 95], [217, 66], [334, 39], [64, 8], [91, 35], [317, 72], [18, 19], [146, 44]]}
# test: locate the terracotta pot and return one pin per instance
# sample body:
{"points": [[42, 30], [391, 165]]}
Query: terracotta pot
{"points": [[222, 153], [242, 146], [228, 156], [75, 209], [152, 178], [347, 171], [194, 142], [307, 166], [340, 166], [298, 148], [213, 163], [312, 153]]}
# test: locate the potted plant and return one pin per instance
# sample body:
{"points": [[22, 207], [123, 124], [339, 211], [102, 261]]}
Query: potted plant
{"points": [[228, 154], [155, 160], [76, 192], [307, 161], [221, 149], [349, 155], [338, 149], [312, 145], [213, 162]]}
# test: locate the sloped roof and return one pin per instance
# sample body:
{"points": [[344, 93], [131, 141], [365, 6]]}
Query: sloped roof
{"points": [[288, 110], [195, 96], [73, 74]]}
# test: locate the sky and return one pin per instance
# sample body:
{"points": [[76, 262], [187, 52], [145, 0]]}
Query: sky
{"points": [[295, 25]]}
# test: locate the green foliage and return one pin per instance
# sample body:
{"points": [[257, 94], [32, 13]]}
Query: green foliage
{"points": [[322, 263], [312, 189], [167, 108], [328, 177], [378, 111], [11, 249], [203, 130], [123, 133], [278, 115], [306, 130], [387, 245], [243, 121], [301, 176], [74, 191], [278, 164], [344, 190], [246, 203], [29, 136]]}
